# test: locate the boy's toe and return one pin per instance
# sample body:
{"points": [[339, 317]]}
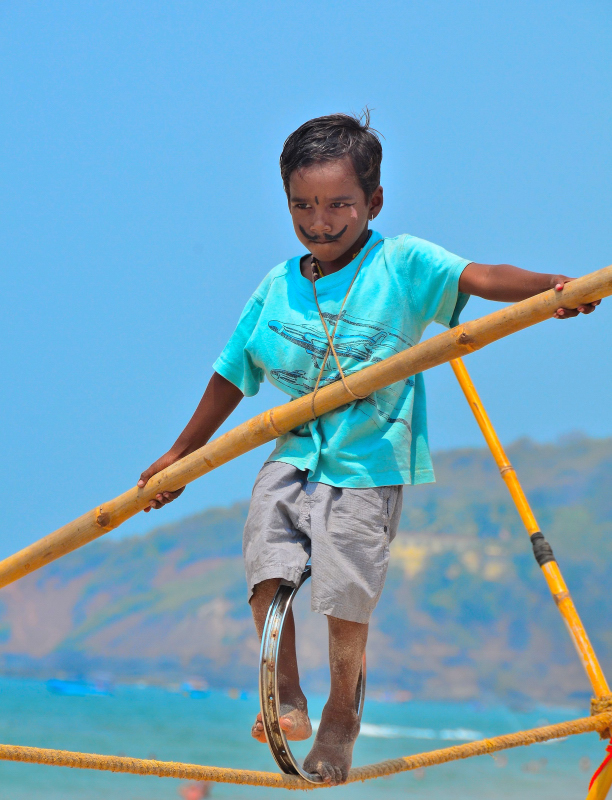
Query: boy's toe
{"points": [[328, 773], [257, 731]]}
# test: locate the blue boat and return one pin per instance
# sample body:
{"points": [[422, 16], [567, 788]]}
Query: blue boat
{"points": [[196, 689], [79, 688]]}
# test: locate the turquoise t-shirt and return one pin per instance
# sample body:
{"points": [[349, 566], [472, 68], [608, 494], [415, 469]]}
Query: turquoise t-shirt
{"points": [[404, 284]]}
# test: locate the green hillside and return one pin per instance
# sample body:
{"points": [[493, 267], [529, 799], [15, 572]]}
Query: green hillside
{"points": [[465, 613]]}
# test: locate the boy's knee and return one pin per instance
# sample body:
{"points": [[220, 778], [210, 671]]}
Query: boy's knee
{"points": [[263, 594], [265, 591]]}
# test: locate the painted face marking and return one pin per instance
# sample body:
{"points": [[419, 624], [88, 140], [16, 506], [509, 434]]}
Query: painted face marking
{"points": [[316, 200], [327, 237]]}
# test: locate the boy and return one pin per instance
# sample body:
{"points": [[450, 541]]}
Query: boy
{"points": [[332, 489]]}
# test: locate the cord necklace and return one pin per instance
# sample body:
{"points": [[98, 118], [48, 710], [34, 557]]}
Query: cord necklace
{"points": [[330, 337]]}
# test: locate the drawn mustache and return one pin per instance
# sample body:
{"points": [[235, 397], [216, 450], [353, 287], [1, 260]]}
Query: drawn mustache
{"points": [[327, 237]]}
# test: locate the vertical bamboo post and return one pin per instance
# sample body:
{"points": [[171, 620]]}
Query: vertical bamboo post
{"points": [[541, 549], [602, 782]]}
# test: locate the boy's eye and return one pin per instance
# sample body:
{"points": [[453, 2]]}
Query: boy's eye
{"points": [[338, 204]]}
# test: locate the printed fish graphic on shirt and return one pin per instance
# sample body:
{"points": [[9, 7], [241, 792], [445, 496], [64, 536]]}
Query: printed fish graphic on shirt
{"points": [[297, 379], [359, 347]]}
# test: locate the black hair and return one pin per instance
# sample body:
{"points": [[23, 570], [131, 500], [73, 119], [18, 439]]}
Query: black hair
{"points": [[332, 137]]}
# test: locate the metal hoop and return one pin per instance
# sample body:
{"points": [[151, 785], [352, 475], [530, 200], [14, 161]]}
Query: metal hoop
{"points": [[268, 681]]}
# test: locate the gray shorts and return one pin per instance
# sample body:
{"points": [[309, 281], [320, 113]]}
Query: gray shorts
{"points": [[344, 532]]}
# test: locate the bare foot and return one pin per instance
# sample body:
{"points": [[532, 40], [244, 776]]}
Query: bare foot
{"points": [[295, 723], [332, 751]]}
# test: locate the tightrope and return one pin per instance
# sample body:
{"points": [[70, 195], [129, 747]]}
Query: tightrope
{"points": [[173, 769]]}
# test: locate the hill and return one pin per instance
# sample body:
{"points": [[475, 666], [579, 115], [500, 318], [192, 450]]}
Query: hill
{"points": [[465, 612]]}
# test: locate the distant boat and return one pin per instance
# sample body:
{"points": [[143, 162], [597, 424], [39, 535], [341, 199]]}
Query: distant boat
{"points": [[237, 694], [79, 688], [196, 689]]}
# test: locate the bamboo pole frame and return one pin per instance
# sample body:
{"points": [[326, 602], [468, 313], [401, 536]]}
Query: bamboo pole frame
{"points": [[552, 573], [452, 344], [602, 784]]}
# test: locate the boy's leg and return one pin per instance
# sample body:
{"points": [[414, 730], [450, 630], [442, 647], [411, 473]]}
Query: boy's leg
{"points": [[332, 752], [351, 530], [276, 548], [293, 705]]}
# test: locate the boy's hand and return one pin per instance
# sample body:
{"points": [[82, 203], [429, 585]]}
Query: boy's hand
{"points": [[508, 284], [218, 401], [163, 498], [566, 313]]}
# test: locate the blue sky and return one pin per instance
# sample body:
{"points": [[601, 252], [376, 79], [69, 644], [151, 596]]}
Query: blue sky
{"points": [[141, 204]]}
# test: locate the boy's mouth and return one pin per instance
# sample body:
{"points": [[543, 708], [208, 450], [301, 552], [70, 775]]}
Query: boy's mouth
{"points": [[328, 238]]}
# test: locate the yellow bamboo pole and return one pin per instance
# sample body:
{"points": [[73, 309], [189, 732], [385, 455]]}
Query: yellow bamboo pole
{"points": [[602, 783], [280, 420], [542, 549]]}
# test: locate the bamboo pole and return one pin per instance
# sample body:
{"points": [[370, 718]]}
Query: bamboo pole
{"points": [[265, 427], [552, 573], [603, 782]]}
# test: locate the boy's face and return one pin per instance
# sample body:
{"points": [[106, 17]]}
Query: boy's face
{"points": [[329, 209]]}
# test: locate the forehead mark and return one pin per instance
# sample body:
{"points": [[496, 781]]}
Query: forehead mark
{"points": [[316, 200]]}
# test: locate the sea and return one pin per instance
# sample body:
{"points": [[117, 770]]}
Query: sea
{"points": [[214, 728]]}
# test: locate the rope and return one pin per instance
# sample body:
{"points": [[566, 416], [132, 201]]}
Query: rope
{"points": [[330, 338], [601, 704], [598, 706], [173, 769]]}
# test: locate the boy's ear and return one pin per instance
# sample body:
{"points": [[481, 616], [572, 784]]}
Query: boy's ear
{"points": [[376, 202]]}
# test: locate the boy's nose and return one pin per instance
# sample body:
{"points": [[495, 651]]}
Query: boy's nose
{"points": [[320, 224]]}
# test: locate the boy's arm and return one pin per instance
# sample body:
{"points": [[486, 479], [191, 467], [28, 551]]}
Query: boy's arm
{"points": [[218, 401], [509, 284]]}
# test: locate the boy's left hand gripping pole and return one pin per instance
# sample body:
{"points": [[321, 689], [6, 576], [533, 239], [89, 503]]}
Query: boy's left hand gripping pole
{"points": [[105, 518], [457, 342]]}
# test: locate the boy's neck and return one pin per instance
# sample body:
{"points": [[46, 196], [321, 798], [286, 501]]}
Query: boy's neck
{"points": [[329, 267]]}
